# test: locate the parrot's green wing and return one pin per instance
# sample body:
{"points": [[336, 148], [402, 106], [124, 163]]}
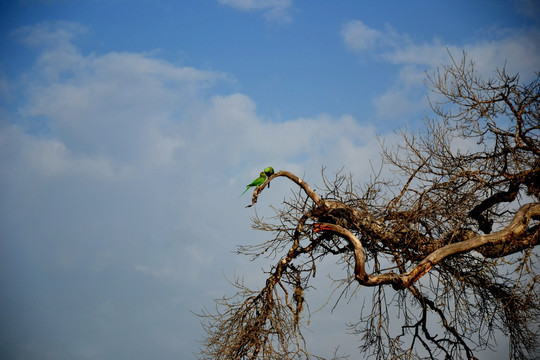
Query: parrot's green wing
{"points": [[258, 181]]}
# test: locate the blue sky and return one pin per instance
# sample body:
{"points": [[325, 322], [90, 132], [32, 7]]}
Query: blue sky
{"points": [[129, 128]]}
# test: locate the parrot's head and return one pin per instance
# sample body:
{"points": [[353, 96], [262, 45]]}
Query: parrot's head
{"points": [[269, 171]]}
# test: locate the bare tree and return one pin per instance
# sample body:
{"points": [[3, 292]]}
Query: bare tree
{"points": [[455, 242]]}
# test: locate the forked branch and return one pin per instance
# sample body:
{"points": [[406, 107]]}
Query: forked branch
{"points": [[515, 229]]}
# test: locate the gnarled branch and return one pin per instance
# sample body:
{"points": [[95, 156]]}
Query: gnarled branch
{"points": [[515, 229]]}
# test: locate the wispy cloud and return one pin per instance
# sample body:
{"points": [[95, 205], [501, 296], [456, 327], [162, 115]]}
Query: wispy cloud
{"points": [[516, 49], [363, 39], [274, 10], [48, 34]]}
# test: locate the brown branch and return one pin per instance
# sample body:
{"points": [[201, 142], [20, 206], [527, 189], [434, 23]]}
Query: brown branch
{"points": [[359, 254], [503, 196], [427, 303], [517, 227], [406, 186], [528, 239], [360, 258], [308, 190]]}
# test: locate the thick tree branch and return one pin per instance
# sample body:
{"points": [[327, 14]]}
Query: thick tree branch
{"points": [[515, 229], [503, 196]]}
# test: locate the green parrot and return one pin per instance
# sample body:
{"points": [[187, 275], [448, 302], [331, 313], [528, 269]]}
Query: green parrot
{"points": [[258, 181], [269, 171]]}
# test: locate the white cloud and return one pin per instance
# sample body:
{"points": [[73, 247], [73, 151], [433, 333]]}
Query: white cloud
{"points": [[360, 37], [130, 194], [275, 10], [48, 34], [518, 50], [139, 169], [116, 105], [49, 158], [363, 39], [394, 103]]}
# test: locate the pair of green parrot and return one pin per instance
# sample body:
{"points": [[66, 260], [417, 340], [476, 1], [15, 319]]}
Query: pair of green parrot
{"points": [[267, 172]]}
